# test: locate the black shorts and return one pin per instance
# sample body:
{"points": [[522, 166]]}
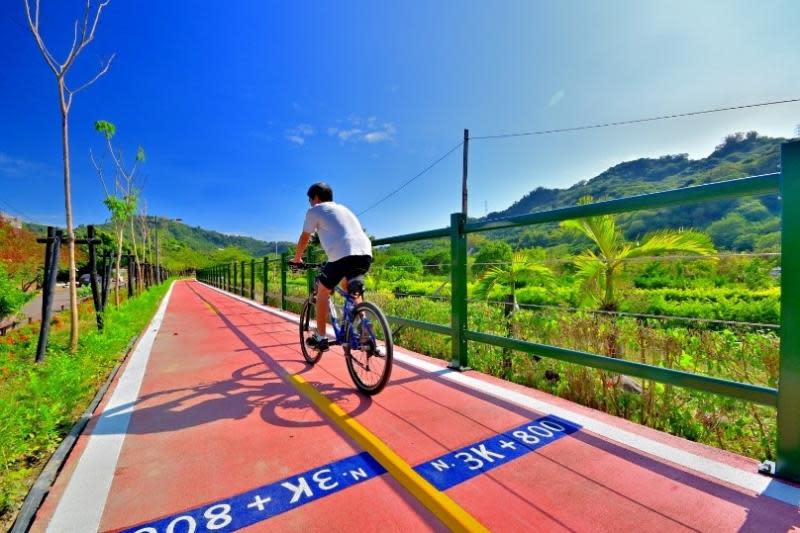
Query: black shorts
{"points": [[350, 267]]}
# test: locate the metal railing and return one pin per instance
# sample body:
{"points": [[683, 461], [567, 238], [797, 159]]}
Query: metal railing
{"points": [[786, 398]]}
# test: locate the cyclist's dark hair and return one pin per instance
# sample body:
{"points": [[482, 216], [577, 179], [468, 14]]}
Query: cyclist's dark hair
{"points": [[322, 191]]}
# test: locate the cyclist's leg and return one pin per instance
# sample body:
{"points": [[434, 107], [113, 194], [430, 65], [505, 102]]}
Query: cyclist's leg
{"points": [[323, 294], [358, 266], [345, 285], [331, 274]]}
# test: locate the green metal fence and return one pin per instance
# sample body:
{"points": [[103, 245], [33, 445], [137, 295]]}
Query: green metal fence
{"points": [[265, 279], [786, 398]]}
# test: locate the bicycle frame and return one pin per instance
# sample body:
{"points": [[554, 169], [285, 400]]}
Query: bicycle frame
{"points": [[347, 319]]}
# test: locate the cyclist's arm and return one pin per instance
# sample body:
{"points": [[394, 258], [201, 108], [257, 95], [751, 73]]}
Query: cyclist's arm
{"points": [[302, 242]]}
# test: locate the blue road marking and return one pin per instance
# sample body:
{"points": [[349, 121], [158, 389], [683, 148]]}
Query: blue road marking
{"points": [[458, 466], [443, 472], [270, 500]]}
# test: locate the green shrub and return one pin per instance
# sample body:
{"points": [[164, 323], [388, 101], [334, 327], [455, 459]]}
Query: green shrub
{"points": [[12, 298], [405, 262]]}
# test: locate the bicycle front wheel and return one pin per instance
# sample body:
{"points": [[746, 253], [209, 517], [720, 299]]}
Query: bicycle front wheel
{"points": [[369, 359], [307, 316]]}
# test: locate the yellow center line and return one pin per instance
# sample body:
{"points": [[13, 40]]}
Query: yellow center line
{"points": [[445, 509]]}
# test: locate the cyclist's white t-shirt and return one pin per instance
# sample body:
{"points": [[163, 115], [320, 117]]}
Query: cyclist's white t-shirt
{"points": [[340, 232]]}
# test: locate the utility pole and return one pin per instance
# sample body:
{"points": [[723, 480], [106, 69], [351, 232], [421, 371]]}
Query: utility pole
{"points": [[464, 174]]}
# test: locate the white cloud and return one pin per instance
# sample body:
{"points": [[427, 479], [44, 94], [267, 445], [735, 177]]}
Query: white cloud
{"points": [[346, 135], [304, 129], [367, 130], [376, 136], [299, 134]]}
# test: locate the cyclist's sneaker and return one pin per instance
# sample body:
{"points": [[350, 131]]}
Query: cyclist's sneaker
{"points": [[318, 342]]}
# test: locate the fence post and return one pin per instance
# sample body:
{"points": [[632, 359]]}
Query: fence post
{"points": [[107, 258], [284, 258], [788, 464], [458, 295], [310, 276], [252, 279], [51, 270], [265, 278], [242, 292], [235, 277], [96, 299], [131, 275], [228, 277]]}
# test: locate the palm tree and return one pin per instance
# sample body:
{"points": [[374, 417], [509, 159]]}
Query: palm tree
{"points": [[513, 274], [520, 270], [598, 270]]}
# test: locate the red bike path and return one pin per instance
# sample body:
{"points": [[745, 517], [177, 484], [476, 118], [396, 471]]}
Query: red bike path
{"points": [[216, 423]]}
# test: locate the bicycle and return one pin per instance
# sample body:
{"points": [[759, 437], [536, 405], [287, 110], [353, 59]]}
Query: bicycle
{"points": [[363, 334]]}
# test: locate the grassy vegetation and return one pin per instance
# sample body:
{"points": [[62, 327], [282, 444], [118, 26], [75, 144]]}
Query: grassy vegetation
{"points": [[740, 354], [40, 403]]}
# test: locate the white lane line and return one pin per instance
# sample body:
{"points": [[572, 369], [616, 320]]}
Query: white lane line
{"points": [[81, 506], [751, 481]]}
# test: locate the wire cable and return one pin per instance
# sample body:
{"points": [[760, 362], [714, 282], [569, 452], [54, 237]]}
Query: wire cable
{"points": [[418, 175], [563, 309], [19, 212], [633, 121]]}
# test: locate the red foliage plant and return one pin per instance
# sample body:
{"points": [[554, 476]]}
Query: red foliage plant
{"points": [[20, 255]]}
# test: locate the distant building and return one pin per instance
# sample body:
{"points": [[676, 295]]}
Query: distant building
{"points": [[775, 272]]}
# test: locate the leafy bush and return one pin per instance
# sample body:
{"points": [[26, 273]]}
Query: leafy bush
{"points": [[84, 291], [436, 260], [405, 262], [11, 297], [491, 254]]}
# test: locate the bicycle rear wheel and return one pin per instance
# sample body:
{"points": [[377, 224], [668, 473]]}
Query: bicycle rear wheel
{"points": [[306, 317], [370, 365]]}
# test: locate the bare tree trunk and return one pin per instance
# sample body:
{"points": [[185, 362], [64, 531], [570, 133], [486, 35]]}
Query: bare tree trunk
{"points": [[73, 290], [119, 261], [133, 246]]}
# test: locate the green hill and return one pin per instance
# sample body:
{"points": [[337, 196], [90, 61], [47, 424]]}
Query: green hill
{"points": [[184, 246], [742, 225]]}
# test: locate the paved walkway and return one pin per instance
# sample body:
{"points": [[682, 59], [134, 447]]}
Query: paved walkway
{"points": [[33, 309], [217, 424]]}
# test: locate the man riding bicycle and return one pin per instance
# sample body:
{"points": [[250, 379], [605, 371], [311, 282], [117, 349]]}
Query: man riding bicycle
{"points": [[348, 249]]}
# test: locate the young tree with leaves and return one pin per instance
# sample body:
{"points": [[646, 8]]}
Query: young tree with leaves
{"points": [[512, 274], [122, 200]]}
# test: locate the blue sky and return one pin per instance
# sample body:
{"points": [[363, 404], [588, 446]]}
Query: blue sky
{"points": [[241, 105]]}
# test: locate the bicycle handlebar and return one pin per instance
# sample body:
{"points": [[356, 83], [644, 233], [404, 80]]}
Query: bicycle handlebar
{"points": [[302, 266]]}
